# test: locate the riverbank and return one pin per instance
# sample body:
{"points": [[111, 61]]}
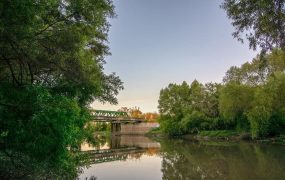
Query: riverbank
{"points": [[221, 135]]}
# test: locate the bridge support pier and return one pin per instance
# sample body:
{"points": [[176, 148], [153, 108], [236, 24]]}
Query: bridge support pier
{"points": [[115, 128], [115, 142]]}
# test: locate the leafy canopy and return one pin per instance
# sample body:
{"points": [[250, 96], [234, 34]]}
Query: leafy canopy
{"points": [[262, 22], [51, 68]]}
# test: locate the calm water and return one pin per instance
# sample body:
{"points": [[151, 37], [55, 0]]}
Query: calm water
{"points": [[140, 158]]}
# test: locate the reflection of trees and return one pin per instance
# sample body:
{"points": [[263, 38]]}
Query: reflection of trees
{"points": [[211, 160], [221, 161], [98, 141]]}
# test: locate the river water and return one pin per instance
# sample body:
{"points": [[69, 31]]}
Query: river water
{"points": [[141, 158]]}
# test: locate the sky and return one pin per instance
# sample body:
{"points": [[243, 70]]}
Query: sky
{"points": [[157, 42]]}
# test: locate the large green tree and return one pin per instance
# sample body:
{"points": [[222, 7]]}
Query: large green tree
{"points": [[267, 116], [58, 44], [189, 109], [51, 68]]}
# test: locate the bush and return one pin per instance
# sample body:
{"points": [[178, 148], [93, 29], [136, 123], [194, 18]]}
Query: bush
{"points": [[194, 122], [277, 123], [41, 128], [171, 125], [259, 121]]}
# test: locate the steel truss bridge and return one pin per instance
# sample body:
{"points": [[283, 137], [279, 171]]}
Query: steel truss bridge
{"points": [[114, 117]]}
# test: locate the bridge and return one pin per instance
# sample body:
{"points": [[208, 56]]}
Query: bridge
{"points": [[116, 118]]}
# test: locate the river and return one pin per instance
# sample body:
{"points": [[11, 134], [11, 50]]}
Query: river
{"points": [[141, 158]]}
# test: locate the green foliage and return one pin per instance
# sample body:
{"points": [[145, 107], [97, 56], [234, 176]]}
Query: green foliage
{"points": [[259, 115], [252, 99], [173, 97], [259, 121], [262, 22], [235, 101], [41, 126], [195, 122], [267, 115], [277, 122], [102, 126], [257, 72], [51, 69], [189, 109], [170, 125], [60, 45], [156, 130]]}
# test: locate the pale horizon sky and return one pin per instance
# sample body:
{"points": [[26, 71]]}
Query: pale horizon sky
{"points": [[157, 42]]}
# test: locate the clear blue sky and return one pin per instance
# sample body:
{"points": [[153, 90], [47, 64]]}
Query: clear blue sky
{"points": [[157, 42]]}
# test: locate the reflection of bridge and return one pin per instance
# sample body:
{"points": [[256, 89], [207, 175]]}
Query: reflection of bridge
{"points": [[108, 155], [116, 118]]}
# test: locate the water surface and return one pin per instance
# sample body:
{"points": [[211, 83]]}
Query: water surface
{"points": [[140, 158]]}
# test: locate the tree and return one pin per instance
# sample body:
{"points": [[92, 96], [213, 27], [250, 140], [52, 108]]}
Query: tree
{"points": [[173, 98], [173, 101], [262, 22], [133, 112], [257, 71], [259, 115], [194, 122], [51, 68], [188, 109], [151, 116], [267, 115], [234, 102], [211, 99], [276, 86], [259, 103], [58, 44], [196, 96], [251, 99]]}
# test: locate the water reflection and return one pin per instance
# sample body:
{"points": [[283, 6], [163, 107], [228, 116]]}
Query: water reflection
{"points": [[221, 161], [125, 157], [138, 157]]}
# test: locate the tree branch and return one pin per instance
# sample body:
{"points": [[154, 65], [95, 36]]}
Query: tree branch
{"points": [[11, 70]]}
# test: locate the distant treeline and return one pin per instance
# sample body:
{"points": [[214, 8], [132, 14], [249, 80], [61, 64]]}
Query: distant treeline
{"points": [[250, 99]]}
